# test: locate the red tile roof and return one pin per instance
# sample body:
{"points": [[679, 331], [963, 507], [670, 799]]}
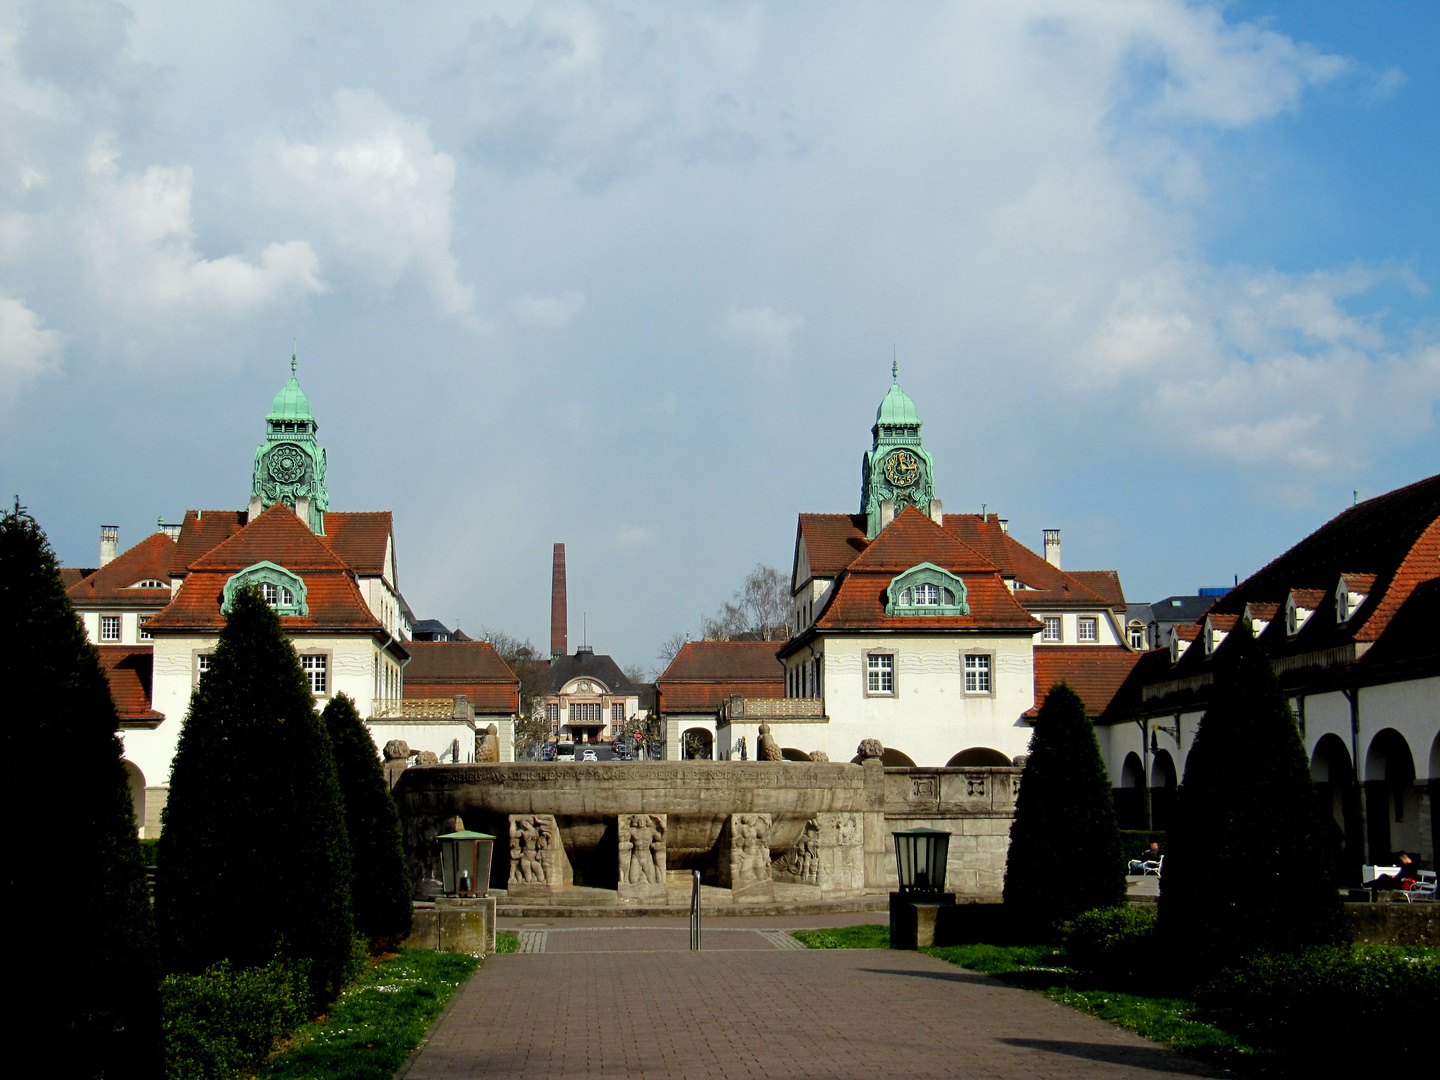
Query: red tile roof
{"points": [[360, 539], [111, 584], [1103, 583], [704, 674], [201, 531], [442, 669], [1047, 586], [831, 541], [1420, 565], [277, 536], [858, 602], [1094, 672], [70, 575], [128, 668]]}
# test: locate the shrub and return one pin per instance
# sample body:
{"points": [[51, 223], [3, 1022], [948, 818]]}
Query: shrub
{"points": [[1247, 870], [1339, 1005], [224, 1022], [380, 888], [93, 989], [1113, 942], [255, 855], [1065, 854]]}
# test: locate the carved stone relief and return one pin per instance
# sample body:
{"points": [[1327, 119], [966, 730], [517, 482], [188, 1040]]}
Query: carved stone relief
{"points": [[744, 857], [801, 864], [642, 856], [538, 863]]}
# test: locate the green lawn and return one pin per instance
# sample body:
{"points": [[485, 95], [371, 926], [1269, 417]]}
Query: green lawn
{"points": [[375, 1025], [868, 936]]}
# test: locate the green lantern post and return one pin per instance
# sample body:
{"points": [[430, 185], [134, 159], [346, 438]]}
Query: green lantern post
{"points": [[465, 862], [917, 910]]}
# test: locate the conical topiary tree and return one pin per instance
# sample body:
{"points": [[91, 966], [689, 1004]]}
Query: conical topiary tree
{"points": [[255, 858], [92, 988], [1247, 869], [1065, 855], [380, 886]]}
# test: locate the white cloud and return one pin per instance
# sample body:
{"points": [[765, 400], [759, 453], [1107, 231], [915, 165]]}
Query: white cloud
{"points": [[768, 333], [138, 243], [27, 352], [382, 191], [548, 312]]}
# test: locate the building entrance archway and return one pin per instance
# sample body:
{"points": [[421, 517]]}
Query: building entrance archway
{"points": [[1392, 804]]}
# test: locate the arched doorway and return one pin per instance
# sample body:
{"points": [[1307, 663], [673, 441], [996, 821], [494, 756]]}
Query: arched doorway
{"points": [[1392, 805], [697, 744], [979, 757], [136, 779], [1130, 795], [1335, 790], [1162, 789]]}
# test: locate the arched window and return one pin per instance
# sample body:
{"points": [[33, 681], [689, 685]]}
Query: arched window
{"points": [[282, 590], [926, 589]]}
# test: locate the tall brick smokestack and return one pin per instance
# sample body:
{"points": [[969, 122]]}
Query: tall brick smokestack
{"points": [[559, 644]]}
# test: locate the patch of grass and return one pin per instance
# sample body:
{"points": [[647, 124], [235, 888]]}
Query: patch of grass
{"points": [[377, 1022], [506, 942], [866, 936], [1003, 959]]}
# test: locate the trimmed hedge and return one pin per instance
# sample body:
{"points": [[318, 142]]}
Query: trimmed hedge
{"points": [[223, 1022], [1370, 1004], [1113, 942]]}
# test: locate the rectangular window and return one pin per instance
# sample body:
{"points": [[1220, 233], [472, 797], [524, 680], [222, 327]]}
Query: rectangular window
{"points": [[271, 592], [1089, 628], [109, 627], [617, 715], [317, 670], [144, 634], [1137, 637], [552, 714], [977, 674], [203, 663], [1052, 628], [880, 673]]}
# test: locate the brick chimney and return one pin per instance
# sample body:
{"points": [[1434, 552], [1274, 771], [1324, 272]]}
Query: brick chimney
{"points": [[559, 638], [1052, 547], [109, 543]]}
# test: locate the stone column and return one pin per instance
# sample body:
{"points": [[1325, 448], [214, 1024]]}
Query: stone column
{"points": [[744, 858], [538, 864], [878, 860], [642, 857]]}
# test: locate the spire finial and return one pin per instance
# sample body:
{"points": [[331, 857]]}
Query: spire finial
{"points": [[292, 359], [895, 368]]}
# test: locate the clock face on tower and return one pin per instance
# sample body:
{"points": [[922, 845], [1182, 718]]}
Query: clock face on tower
{"points": [[902, 468], [287, 463]]}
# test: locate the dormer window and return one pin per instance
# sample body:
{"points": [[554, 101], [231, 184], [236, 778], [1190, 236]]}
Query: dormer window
{"points": [[150, 583], [926, 589], [1213, 638], [1298, 609], [1352, 591], [282, 590], [1178, 645]]}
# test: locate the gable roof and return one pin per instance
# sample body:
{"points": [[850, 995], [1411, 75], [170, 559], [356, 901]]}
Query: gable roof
{"points": [[111, 584], [1047, 585], [705, 674], [361, 540], [276, 536], [202, 530], [1093, 672], [831, 541], [442, 669], [128, 669]]}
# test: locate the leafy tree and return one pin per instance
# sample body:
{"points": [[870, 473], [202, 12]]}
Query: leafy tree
{"points": [[380, 887], [255, 856], [669, 649], [1246, 869], [1065, 856], [531, 726], [92, 989]]}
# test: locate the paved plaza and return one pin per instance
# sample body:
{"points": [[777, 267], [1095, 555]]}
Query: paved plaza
{"points": [[616, 1000]]}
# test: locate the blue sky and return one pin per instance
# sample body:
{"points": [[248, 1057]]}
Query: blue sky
{"points": [[630, 276]]}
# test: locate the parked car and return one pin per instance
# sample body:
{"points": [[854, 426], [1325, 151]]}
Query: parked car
{"points": [[588, 755]]}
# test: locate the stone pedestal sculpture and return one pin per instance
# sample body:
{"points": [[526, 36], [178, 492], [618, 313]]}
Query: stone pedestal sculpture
{"points": [[744, 858], [801, 864], [767, 748], [642, 857], [487, 745], [397, 753], [538, 865]]}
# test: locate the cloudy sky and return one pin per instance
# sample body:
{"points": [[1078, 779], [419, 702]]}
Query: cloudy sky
{"points": [[1159, 274]]}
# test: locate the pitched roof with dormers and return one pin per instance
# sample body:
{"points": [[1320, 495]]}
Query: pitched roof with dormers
{"points": [[276, 536], [858, 601], [113, 585], [128, 669], [706, 674], [1046, 585], [1386, 549], [442, 669]]}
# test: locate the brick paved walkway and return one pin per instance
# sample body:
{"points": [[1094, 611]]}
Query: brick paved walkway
{"points": [[755, 1011]]}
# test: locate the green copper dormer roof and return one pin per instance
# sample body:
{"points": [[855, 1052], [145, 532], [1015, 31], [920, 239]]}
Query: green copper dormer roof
{"points": [[897, 408], [291, 402]]}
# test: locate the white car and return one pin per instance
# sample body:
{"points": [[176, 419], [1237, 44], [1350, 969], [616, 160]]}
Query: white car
{"points": [[589, 755]]}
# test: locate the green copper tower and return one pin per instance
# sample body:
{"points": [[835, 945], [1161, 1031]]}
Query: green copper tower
{"points": [[896, 467], [290, 463]]}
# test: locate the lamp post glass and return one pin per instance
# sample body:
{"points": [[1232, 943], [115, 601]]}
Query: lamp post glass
{"points": [[920, 858], [465, 862]]}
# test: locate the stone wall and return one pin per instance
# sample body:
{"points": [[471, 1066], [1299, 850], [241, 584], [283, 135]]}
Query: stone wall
{"points": [[830, 825]]}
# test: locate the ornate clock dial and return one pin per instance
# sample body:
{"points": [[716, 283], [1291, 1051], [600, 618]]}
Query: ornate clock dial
{"points": [[287, 464], [902, 468]]}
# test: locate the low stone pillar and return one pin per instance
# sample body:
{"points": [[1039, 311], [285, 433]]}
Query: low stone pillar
{"points": [[744, 858], [538, 864], [913, 920], [642, 857], [396, 754], [450, 925]]}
